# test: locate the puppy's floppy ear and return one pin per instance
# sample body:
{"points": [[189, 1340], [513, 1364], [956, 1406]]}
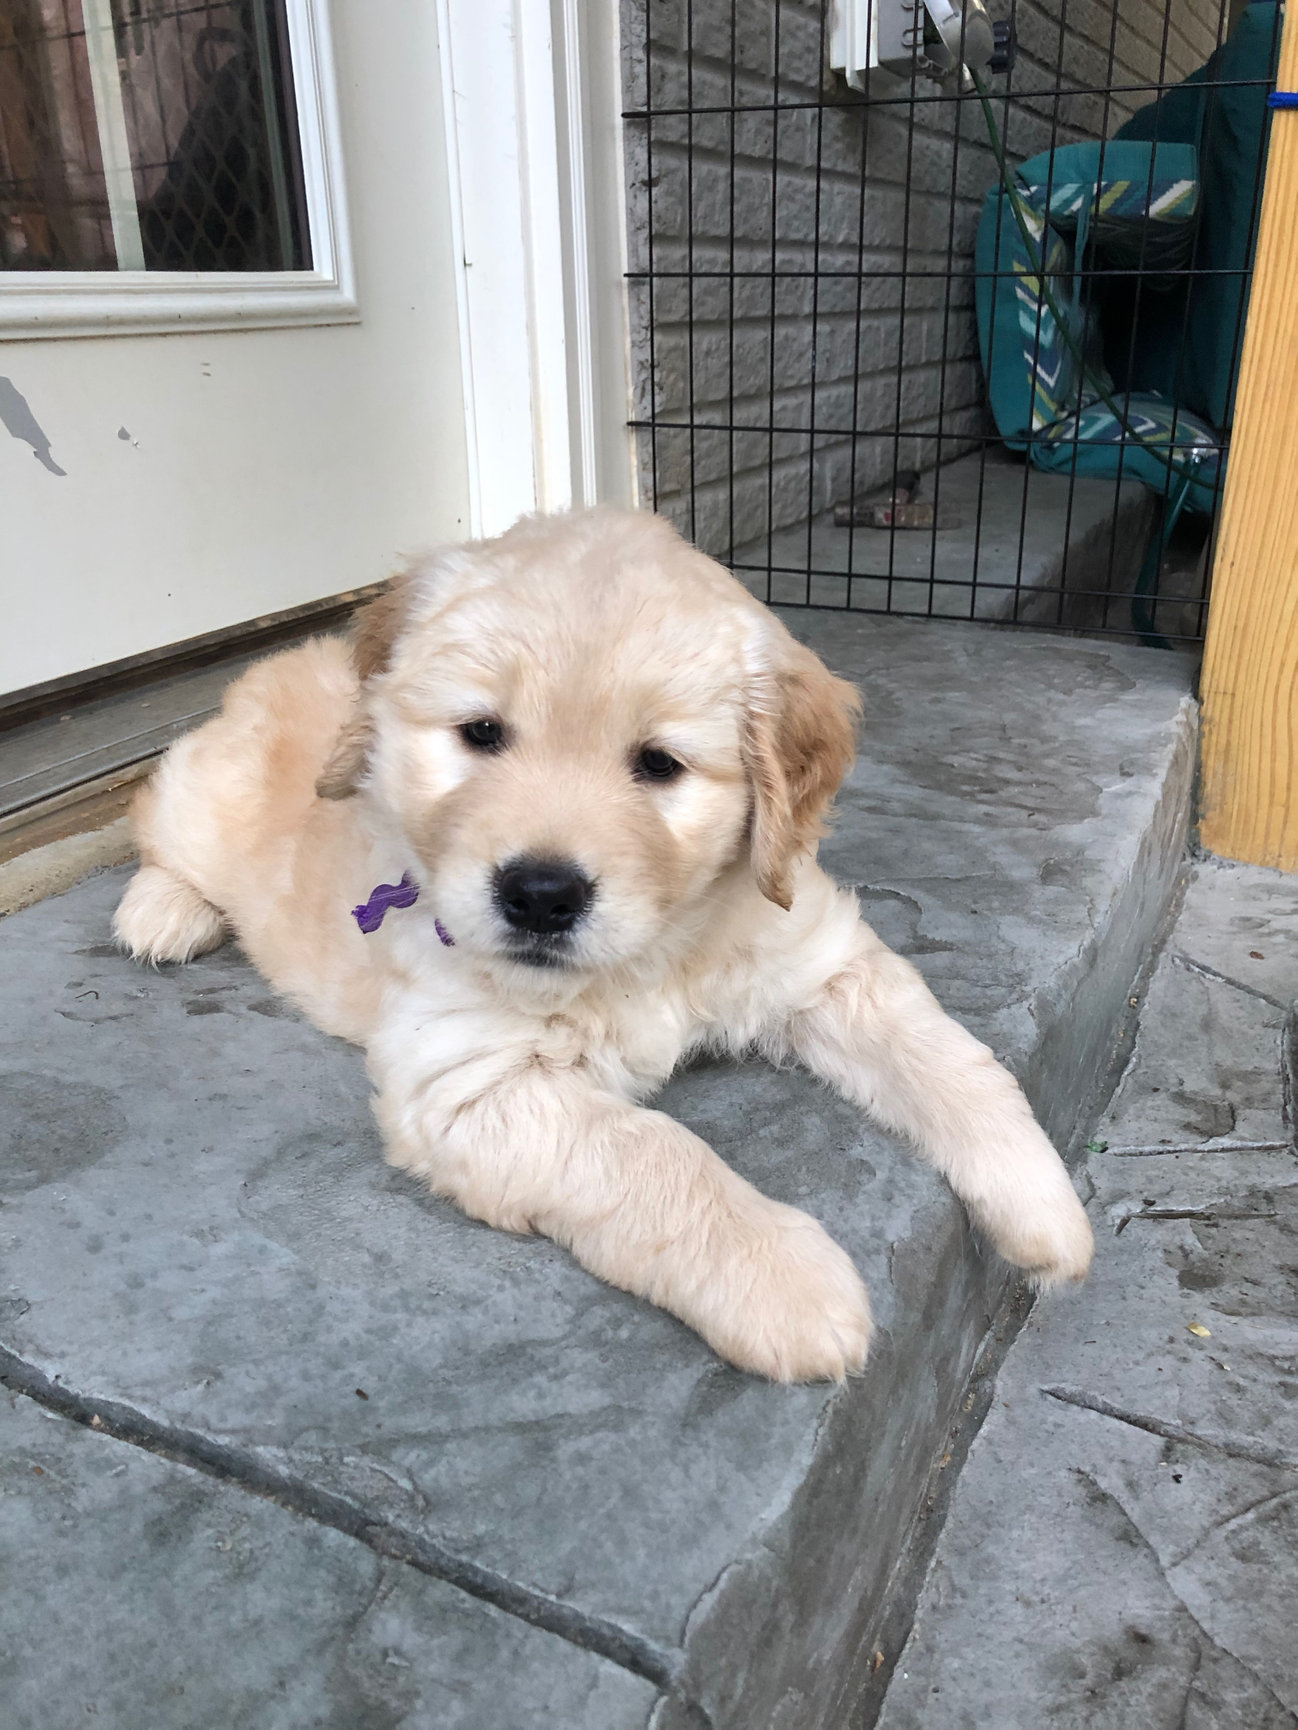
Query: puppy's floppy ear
{"points": [[378, 625], [410, 600], [374, 637], [800, 743], [345, 765]]}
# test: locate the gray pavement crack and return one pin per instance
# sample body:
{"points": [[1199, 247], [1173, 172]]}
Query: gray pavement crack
{"points": [[1183, 1721], [1211, 1211], [1230, 1520], [248, 1471], [1209, 1146], [1237, 1447], [1138, 1533], [1206, 972]]}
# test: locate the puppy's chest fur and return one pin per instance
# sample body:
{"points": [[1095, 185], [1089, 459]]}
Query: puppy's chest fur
{"points": [[629, 1032], [631, 1039]]}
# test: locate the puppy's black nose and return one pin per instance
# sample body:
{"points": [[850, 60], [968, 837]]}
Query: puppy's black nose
{"points": [[542, 895]]}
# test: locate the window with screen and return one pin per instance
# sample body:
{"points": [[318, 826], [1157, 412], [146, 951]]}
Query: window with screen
{"points": [[149, 135]]}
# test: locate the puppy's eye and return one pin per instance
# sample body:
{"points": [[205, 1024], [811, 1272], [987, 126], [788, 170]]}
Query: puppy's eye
{"points": [[655, 765], [484, 735]]}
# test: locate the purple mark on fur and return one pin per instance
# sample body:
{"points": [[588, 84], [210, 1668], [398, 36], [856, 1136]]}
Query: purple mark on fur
{"points": [[369, 915], [443, 933]]}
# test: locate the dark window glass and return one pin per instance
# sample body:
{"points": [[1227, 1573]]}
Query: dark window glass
{"points": [[148, 134]]}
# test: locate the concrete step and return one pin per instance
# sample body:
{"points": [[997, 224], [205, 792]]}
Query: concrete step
{"points": [[205, 1253], [1121, 1543], [1023, 545]]}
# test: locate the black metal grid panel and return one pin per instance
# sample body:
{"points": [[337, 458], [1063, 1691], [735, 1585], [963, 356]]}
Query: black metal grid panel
{"points": [[801, 284]]}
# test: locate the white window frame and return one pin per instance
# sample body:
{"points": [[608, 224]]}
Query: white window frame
{"points": [[63, 303]]}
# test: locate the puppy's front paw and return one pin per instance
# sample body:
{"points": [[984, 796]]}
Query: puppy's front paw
{"points": [[1034, 1220], [1059, 1251], [805, 1313]]}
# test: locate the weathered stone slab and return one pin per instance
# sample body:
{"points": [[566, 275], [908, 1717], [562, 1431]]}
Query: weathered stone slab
{"points": [[1047, 549], [137, 1592], [1249, 931], [1121, 1546]]}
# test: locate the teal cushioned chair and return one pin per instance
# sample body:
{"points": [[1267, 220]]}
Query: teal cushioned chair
{"points": [[1130, 204]]}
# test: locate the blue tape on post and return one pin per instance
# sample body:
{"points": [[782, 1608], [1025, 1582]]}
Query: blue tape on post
{"points": [[1282, 99]]}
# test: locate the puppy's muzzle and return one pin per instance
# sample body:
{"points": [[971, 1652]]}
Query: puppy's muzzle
{"points": [[542, 897]]}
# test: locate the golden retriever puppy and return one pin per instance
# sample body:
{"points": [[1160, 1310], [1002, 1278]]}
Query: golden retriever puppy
{"points": [[546, 827]]}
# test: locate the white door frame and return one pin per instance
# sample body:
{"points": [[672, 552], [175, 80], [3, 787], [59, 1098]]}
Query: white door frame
{"points": [[532, 98]]}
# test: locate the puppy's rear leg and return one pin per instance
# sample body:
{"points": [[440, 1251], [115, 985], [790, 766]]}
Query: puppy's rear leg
{"points": [[161, 917]]}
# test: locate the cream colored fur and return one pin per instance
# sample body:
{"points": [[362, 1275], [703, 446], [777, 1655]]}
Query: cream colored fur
{"points": [[514, 1088]]}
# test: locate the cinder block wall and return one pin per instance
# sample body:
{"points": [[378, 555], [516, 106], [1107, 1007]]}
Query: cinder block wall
{"points": [[874, 204]]}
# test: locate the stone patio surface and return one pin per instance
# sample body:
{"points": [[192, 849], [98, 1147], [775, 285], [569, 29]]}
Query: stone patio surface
{"points": [[1022, 545], [290, 1443], [1122, 1547]]}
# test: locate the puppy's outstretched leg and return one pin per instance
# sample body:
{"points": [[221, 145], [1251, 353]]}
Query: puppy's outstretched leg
{"points": [[639, 1200], [875, 1031]]}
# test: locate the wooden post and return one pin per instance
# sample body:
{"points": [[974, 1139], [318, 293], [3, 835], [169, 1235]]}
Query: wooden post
{"points": [[1250, 669]]}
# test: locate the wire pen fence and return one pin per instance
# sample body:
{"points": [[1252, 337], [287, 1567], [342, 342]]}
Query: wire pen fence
{"points": [[811, 394]]}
